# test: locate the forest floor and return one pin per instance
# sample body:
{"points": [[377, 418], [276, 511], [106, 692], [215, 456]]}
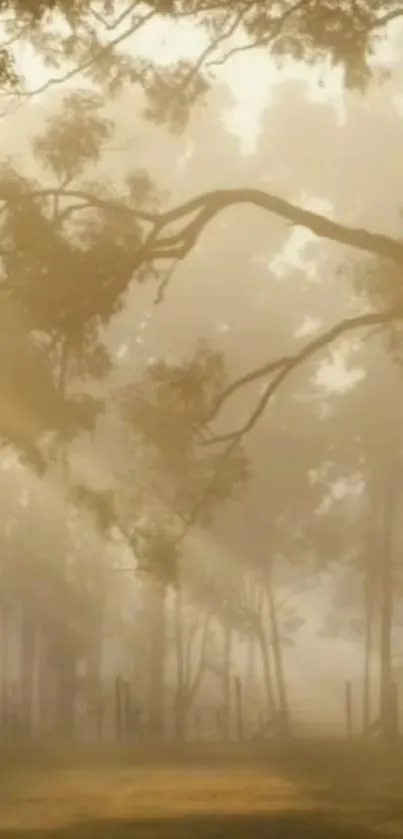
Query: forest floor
{"points": [[317, 790]]}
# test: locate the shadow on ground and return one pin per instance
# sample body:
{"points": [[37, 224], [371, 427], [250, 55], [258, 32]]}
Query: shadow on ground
{"points": [[276, 826]]}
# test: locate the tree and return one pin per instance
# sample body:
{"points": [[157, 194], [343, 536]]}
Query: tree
{"points": [[169, 483], [167, 409]]}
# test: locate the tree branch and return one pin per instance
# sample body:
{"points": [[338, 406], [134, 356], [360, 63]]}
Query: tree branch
{"points": [[203, 210], [209, 205], [277, 24], [216, 42], [387, 18], [285, 366]]}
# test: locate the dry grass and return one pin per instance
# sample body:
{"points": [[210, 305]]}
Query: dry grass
{"points": [[308, 790]]}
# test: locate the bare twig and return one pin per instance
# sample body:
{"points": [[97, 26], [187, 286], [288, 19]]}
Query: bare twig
{"points": [[163, 285], [103, 50], [216, 43], [276, 26]]}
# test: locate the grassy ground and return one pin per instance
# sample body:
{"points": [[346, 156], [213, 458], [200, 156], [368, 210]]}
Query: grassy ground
{"points": [[315, 790]]}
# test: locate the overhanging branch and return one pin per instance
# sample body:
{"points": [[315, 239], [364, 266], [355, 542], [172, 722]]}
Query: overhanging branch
{"points": [[283, 368], [205, 208], [198, 212]]}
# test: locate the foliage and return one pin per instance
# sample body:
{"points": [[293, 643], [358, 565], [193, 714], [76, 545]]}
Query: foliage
{"points": [[152, 502], [94, 35], [169, 409], [65, 270]]}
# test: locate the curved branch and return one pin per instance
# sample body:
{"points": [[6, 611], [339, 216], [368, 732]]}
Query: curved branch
{"points": [[384, 20], [209, 205], [203, 209], [285, 366]]}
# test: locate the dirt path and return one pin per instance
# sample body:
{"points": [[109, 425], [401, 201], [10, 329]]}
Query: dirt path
{"points": [[313, 794]]}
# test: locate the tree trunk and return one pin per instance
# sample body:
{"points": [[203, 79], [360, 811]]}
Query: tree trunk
{"points": [[251, 679], [369, 620], [66, 690], [181, 688], [227, 662], [28, 654], [4, 641], [4, 665], [277, 651], [371, 556], [44, 709], [239, 707], [387, 693], [251, 665], [63, 657], [264, 646], [267, 672], [94, 699], [156, 695]]}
